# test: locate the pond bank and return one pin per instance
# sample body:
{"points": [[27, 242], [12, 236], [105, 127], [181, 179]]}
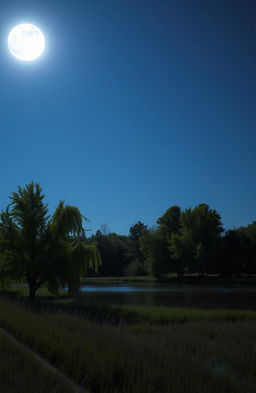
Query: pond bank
{"points": [[205, 280]]}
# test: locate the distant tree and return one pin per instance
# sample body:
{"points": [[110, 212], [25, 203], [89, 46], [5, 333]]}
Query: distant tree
{"points": [[43, 249], [194, 245], [154, 244], [249, 231], [135, 268], [136, 231], [248, 234], [204, 227], [181, 248], [133, 244], [113, 251], [237, 254], [200, 259], [155, 251], [169, 222], [104, 229], [204, 224]]}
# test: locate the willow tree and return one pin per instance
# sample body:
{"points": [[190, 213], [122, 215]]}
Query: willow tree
{"points": [[45, 250]]}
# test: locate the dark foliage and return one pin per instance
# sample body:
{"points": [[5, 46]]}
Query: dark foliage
{"points": [[113, 251]]}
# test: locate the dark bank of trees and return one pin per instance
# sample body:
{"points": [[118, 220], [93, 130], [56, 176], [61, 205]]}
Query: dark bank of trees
{"points": [[43, 249], [194, 241], [121, 255], [190, 241]]}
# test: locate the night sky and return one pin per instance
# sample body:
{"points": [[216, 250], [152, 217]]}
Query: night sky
{"points": [[134, 106]]}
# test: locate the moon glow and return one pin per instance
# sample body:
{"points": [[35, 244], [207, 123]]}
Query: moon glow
{"points": [[26, 42]]}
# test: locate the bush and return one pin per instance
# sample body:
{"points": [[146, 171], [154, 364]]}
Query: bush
{"points": [[135, 268]]}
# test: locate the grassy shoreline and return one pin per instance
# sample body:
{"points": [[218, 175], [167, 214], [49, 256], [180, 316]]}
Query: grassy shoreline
{"points": [[150, 354], [132, 349]]}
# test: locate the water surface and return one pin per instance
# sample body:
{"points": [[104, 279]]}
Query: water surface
{"points": [[173, 295]]}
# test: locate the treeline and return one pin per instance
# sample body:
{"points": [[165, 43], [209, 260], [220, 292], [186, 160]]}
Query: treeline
{"points": [[120, 255], [190, 241]]}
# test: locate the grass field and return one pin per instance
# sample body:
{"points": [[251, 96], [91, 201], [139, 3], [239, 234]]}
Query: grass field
{"points": [[164, 315], [20, 373], [164, 350]]}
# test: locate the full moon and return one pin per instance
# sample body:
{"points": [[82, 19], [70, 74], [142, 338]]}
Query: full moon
{"points": [[26, 42]]}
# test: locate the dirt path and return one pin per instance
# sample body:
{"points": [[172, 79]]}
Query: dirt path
{"points": [[75, 387]]}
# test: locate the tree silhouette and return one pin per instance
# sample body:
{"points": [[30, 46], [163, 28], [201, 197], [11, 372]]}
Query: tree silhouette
{"points": [[43, 249], [133, 249]]}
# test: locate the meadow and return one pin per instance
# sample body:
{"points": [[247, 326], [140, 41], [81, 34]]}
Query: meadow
{"points": [[19, 372], [136, 349]]}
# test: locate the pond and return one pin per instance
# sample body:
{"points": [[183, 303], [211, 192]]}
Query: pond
{"points": [[173, 295]]}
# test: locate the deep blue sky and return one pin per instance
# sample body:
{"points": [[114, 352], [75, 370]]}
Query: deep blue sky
{"points": [[134, 106]]}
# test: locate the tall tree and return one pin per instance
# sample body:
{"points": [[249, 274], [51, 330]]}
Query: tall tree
{"points": [[134, 251], [169, 222], [181, 248], [154, 249], [113, 251], [202, 227], [249, 231], [44, 249], [237, 254], [154, 244]]}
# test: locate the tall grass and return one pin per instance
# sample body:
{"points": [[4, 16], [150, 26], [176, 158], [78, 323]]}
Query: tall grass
{"points": [[163, 315], [20, 373], [197, 356]]}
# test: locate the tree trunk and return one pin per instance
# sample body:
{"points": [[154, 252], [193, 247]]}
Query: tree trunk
{"points": [[3, 284], [32, 291]]}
